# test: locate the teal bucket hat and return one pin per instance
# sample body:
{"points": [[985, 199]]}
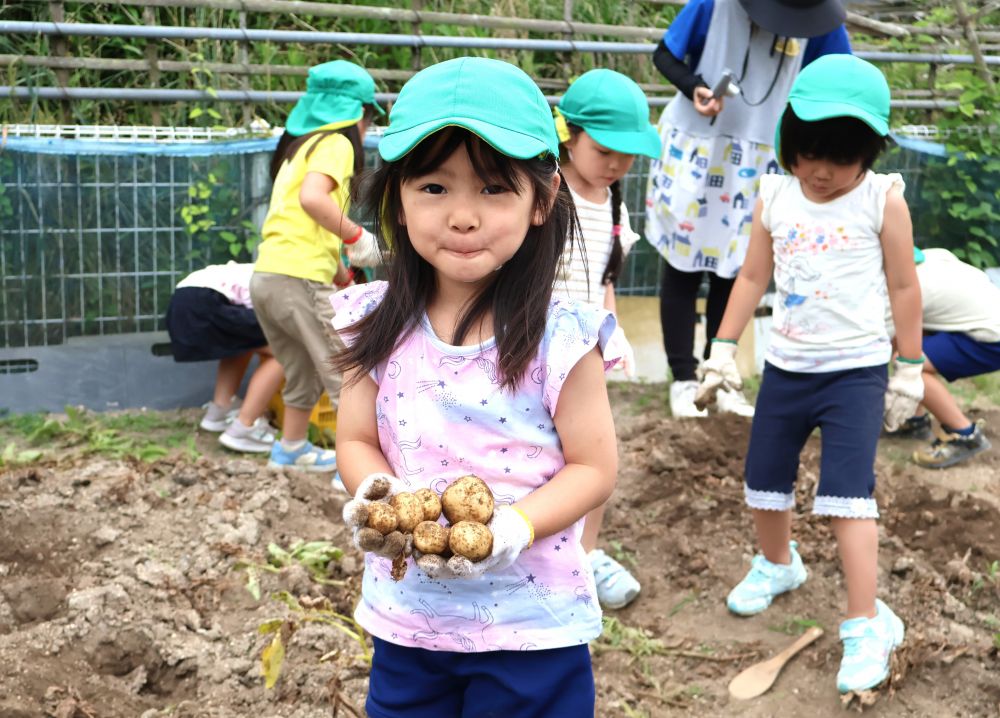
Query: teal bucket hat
{"points": [[613, 110], [842, 86], [491, 98], [335, 95]]}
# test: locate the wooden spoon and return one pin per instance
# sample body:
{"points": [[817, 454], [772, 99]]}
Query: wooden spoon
{"points": [[759, 677]]}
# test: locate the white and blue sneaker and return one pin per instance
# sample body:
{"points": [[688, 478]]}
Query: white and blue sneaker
{"points": [[765, 581], [868, 646], [305, 458], [616, 587], [337, 483]]}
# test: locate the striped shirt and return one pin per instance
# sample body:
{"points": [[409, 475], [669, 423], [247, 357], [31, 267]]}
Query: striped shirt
{"points": [[583, 282]]}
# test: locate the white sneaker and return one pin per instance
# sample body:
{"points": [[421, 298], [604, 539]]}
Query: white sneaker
{"points": [[256, 439], [732, 401], [216, 419], [682, 400]]}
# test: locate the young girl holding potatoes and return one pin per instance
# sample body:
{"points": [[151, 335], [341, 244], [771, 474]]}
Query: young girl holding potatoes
{"points": [[462, 363]]}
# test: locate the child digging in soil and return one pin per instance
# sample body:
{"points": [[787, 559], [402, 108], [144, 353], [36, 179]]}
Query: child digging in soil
{"points": [[837, 237], [961, 314], [603, 123], [463, 363], [210, 316], [305, 228]]}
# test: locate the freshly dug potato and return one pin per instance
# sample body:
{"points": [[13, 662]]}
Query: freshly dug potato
{"points": [[382, 517], [430, 537], [431, 503], [468, 499], [409, 511], [470, 539]]}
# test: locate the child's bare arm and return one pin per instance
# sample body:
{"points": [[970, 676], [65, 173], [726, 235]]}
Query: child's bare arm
{"points": [[609, 298], [586, 429], [901, 275], [314, 196], [752, 281], [358, 450]]}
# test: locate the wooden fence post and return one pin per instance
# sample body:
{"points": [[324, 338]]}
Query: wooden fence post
{"points": [[152, 53], [244, 50], [58, 14]]}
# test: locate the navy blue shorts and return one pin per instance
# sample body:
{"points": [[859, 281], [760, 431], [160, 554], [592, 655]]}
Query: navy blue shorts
{"points": [[847, 408], [203, 325], [417, 683], [957, 355]]}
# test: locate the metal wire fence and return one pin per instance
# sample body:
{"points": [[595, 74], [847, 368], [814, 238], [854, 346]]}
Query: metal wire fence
{"points": [[96, 231]]}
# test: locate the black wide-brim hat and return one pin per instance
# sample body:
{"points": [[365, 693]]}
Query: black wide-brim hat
{"points": [[796, 18]]}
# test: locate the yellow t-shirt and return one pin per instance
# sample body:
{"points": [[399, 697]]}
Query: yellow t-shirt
{"points": [[293, 243]]}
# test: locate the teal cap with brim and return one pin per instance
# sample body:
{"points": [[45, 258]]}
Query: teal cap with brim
{"points": [[492, 99], [842, 86], [613, 110], [336, 93]]}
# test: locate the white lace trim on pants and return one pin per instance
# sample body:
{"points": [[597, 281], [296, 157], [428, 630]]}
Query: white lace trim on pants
{"points": [[846, 508], [768, 500]]}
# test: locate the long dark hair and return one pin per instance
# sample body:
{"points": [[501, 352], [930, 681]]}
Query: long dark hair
{"points": [[519, 295], [289, 144], [615, 259]]}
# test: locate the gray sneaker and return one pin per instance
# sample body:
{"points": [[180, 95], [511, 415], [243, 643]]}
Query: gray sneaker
{"points": [[256, 439], [949, 449]]}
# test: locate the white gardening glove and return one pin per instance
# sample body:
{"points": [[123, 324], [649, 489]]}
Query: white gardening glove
{"points": [[718, 372], [620, 345], [376, 488], [511, 535], [905, 392], [364, 252]]}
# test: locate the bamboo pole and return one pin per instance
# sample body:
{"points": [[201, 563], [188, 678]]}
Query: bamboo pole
{"points": [[402, 15], [152, 56], [970, 33], [58, 46]]}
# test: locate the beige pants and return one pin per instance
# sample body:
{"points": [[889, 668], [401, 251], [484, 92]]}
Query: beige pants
{"points": [[295, 315]]}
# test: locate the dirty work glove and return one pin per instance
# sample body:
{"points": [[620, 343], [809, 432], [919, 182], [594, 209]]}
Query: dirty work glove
{"points": [[905, 392], [364, 251], [512, 533], [718, 372], [620, 345], [376, 488]]}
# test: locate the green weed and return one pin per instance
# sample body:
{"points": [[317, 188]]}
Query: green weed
{"points": [[637, 642], [12, 456], [621, 554], [681, 604], [795, 626]]}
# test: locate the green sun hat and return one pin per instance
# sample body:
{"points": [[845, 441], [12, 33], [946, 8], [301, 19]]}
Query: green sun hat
{"points": [[613, 110], [491, 98], [842, 86], [336, 93]]}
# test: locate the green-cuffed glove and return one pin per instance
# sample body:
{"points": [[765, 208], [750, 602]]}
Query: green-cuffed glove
{"points": [[904, 394], [718, 372]]}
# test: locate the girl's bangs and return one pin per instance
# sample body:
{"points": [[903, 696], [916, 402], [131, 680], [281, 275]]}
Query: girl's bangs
{"points": [[491, 166]]}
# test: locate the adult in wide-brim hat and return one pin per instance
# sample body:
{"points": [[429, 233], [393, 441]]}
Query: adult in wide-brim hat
{"points": [[796, 18]]}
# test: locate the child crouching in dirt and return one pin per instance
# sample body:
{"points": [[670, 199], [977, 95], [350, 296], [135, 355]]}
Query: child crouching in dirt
{"points": [[961, 315], [837, 237]]}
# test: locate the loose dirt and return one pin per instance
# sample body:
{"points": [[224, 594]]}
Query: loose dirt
{"points": [[124, 592]]}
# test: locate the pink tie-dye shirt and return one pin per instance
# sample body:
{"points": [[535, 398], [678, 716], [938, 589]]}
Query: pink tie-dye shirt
{"points": [[441, 414]]}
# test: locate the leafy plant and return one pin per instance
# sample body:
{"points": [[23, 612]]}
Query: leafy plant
{"points": [[12, 456], [304, 610]]}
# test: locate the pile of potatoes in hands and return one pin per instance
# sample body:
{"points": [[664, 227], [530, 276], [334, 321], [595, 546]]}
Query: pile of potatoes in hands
{"points": [[409, 521]]}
